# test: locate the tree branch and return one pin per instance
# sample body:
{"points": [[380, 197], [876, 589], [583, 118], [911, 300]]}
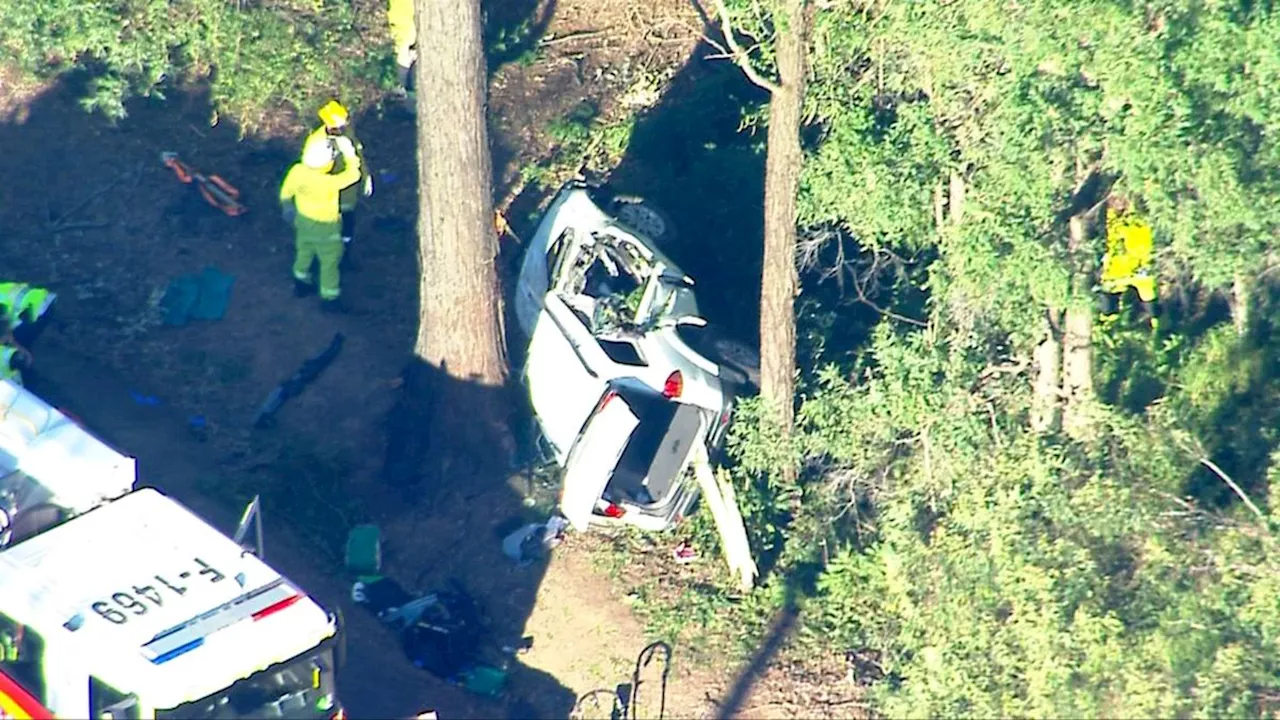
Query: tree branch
{"points": [[862, 298], [740, 56], [1234, 487]]}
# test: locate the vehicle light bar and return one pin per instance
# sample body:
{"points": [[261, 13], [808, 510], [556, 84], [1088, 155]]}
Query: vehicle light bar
{"points": [[180, 650], [254, 605], [276, 607]]}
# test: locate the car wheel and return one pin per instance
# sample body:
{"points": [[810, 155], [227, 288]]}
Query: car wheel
{"points": [[644, 217]]}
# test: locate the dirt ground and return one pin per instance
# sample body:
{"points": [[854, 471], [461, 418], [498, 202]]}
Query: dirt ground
{"points": [[88, 210]]}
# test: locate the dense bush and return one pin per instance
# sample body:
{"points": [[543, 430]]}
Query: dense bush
{"points": [[988, 570], [255, 55]]}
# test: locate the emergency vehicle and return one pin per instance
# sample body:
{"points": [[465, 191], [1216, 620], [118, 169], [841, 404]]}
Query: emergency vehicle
{"points": [[118, 602]]}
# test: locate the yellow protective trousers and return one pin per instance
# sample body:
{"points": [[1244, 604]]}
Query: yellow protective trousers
{"points": [[322, 242]]}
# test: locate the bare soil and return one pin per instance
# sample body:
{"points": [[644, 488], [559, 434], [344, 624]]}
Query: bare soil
{"points": [[88, 210]]}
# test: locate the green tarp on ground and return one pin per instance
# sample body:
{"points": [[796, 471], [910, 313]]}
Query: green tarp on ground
{"points": [[202, 296]]}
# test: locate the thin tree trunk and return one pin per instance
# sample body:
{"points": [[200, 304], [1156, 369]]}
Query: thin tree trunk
{"points": [[779, 283], [459, 329], [1077, 339], [1240, 300], [1047, 364]]}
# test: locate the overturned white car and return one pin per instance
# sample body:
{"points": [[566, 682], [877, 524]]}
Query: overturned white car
{"points": [[621, 397]]}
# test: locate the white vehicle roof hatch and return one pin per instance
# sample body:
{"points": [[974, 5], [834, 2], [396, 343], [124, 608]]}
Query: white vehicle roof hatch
{"points": [[47, 458]]}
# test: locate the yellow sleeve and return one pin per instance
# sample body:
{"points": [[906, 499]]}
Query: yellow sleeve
{"points": [[350, 172], [289, 188]]}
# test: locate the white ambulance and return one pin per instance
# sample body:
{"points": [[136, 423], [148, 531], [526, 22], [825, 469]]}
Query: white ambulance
{"points": [[118, 602]]}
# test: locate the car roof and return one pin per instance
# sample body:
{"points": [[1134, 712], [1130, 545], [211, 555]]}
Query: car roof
{"points": [[145, 545]]}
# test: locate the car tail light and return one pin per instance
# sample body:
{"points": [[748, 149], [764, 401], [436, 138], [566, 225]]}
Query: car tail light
{"points": [[673, 386], [605, 400], [614, 511]]}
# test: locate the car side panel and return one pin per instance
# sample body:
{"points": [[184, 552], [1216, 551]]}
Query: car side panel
{"points": [[562, 387]]}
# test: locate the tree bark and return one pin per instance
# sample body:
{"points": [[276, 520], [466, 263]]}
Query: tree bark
{"points": [[779, 281], [1047, 364], [1241, 297], [1077, 339], [459, 336]]}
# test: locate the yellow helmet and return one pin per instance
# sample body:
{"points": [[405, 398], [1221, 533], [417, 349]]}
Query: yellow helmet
{"points": [[333, 115]]}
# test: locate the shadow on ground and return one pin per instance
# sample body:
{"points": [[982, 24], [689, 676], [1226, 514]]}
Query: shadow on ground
{"points": [[89, 211]]}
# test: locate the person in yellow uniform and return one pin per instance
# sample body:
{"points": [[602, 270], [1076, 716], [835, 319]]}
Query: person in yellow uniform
{"points": [[336, 128], [24, 309], [404, 35], [1128, 261], [13, 360], [309, 200]]}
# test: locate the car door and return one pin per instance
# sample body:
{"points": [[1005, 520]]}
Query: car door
{"points": [[560, 374], [543, 254], [594, 456]]}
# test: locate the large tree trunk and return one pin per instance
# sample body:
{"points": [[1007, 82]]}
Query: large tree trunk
{"points": [[459, 347], [779, 283]]}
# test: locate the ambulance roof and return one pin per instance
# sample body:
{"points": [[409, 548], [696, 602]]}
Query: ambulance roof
{"points": [[76, 470], [156, 601]]}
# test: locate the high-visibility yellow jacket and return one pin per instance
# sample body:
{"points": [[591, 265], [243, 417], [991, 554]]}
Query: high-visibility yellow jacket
{"points": [[350, 195], [7, 372], [1127, 262], [315, 192], [400, 22], [21, 302]]}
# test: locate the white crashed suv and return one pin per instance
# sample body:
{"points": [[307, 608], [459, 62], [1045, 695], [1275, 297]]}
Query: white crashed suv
{"points": [[620, 395]]}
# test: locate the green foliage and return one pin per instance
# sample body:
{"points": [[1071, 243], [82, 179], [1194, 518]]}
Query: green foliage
{"points": [[991, 571], [254, 56], [515, 43]]}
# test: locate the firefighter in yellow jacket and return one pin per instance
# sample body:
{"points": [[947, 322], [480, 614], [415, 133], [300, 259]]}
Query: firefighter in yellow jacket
{"points": [[1128, 262], [336, 128], [309, 200], [24, 308], [404, 35], [13, 360]]}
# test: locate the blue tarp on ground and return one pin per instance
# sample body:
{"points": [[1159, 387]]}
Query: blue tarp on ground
{"points": [[202, 296]]}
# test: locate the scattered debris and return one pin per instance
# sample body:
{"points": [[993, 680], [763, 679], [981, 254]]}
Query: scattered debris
{"points": [[145, 400], [364, 550], [442, 632], [216, 191], [305, 375], [198, 427], [197, 297], [684, 553], [534, 541]]}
